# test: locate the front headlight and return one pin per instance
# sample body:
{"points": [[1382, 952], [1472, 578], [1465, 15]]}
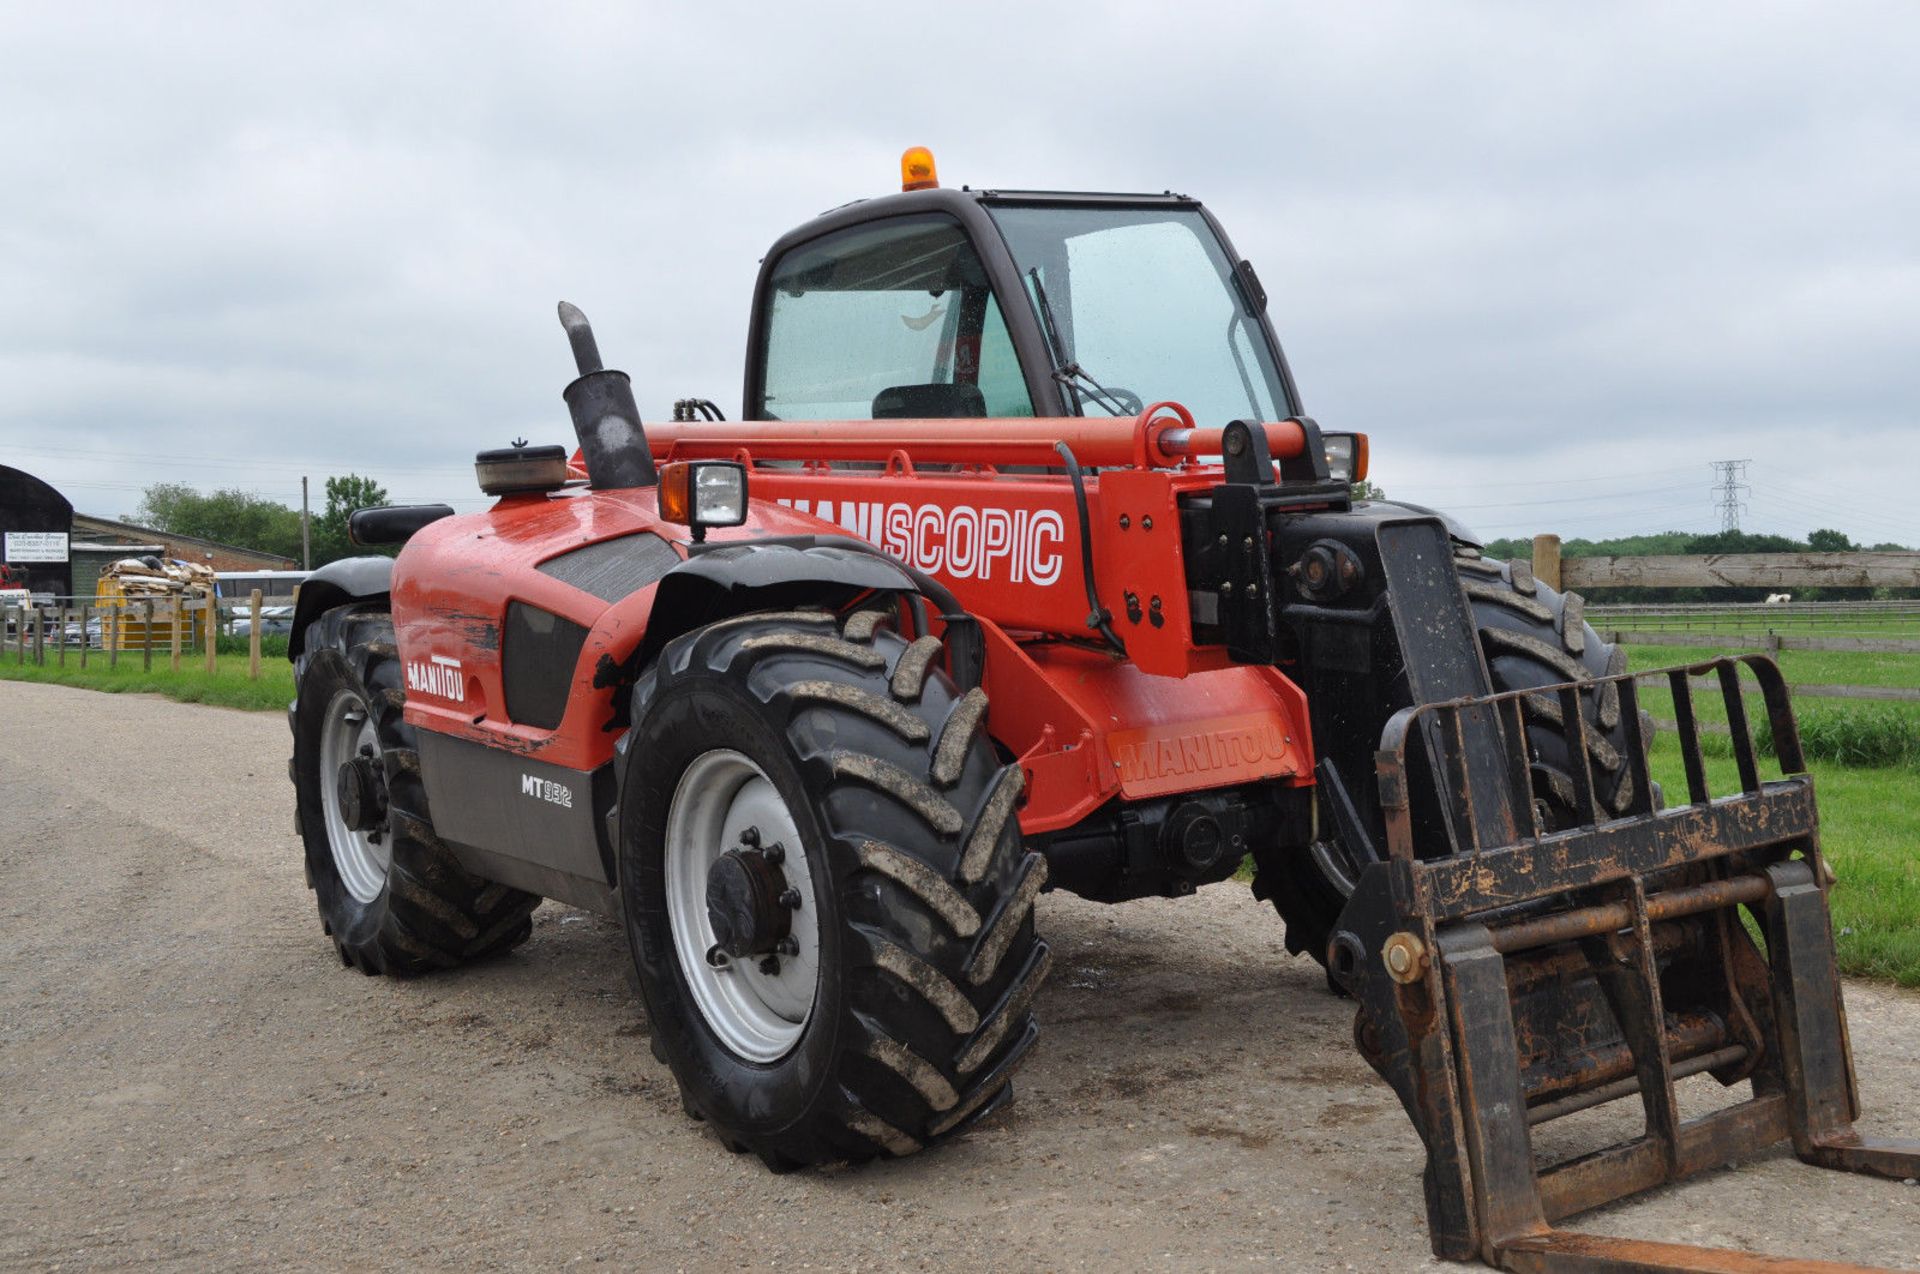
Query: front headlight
{"points": [[1346, 456], [719, 493], [703, 493]]}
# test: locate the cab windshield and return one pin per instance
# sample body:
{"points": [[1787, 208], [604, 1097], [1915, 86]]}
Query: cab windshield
{"points": [[1142, 301]]}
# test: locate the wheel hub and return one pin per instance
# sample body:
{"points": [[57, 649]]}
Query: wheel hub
{"points": [[741, 904], [362, 790], [354, 803], [747, 903]]}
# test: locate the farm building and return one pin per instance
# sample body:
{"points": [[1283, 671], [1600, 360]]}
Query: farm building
{"points": [[36, 530], [63, 552]]}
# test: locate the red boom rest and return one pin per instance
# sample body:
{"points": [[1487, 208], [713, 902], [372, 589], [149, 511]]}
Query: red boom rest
{"points": [[1162, 436]]}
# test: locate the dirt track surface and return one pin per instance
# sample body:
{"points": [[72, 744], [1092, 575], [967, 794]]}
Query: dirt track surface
{"points": [[189, 1080]]}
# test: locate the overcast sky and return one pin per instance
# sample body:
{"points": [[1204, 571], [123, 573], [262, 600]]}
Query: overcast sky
{"points": [[1554, 259]]}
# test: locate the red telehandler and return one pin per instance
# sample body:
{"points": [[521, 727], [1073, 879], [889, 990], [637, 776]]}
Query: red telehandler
{"points": [[1025, 571]]}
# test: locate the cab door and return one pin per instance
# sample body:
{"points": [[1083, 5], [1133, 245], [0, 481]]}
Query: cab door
{"points": [[888, 319]]}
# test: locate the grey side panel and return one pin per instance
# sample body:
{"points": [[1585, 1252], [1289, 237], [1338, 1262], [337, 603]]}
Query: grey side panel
{"points": [[613, 569], [525, 823], [347, 580]]}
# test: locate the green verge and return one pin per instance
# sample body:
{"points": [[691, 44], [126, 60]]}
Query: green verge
{"points": [[226, 687]]}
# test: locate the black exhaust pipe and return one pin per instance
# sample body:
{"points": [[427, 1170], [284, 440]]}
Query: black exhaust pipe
{"points": [[604, 415]]}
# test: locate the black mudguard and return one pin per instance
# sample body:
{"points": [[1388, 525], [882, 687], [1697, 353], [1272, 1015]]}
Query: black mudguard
{"points": [[351, 579], [734, 578]]}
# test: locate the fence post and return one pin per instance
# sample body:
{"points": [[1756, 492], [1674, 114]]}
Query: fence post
{"points": [[17, 620], [113, 645], [146, 641], [39, 637], [176, 608], [62, 647], [253, 638], [213, 623], [86, 620], [1546, 561]]}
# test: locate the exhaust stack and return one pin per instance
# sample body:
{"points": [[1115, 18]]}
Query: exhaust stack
{"points": [[604, 415]]}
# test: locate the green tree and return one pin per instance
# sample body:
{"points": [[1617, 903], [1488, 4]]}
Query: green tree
{"points": [[344, 495], [1830, 541], [231, 516], [1364, 490], [1507, 548]]}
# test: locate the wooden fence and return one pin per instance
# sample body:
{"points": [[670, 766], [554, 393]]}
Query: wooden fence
{"points": [[160, 621], [1726, 570], [1652, 624]]}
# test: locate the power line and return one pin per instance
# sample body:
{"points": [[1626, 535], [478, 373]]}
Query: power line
{"points": [[1615, 517], [1822, 503], [189, 461], [1729, 489], [1533, 483], [1812, 514], [1555, 501]]}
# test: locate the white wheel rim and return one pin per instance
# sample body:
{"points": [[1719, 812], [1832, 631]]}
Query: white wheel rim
{"points": [[757, 1015], [360, 860]]}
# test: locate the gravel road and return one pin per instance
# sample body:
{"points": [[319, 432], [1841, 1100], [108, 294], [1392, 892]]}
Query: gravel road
{"points": [[190, 1080]]}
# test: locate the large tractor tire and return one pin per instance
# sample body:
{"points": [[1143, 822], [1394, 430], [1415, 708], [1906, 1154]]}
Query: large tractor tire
{"points": [[1531, 636], [825, 889], [391, 896]]}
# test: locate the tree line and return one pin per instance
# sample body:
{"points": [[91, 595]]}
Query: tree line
{"points": [[245, 520]]}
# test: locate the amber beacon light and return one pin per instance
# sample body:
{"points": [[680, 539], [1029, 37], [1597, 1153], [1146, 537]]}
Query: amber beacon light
{"points": [[916, 169]]}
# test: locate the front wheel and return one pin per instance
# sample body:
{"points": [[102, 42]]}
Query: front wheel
{"points": [[826, 893], [392, 897]]}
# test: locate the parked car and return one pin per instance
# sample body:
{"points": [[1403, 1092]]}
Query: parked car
{"points": [[274, 621]]}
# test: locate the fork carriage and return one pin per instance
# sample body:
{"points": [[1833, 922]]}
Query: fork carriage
{"points": [[1517, 975]]}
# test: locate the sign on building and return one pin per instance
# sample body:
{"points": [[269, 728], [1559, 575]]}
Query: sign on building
{"points": [[36, 546]]}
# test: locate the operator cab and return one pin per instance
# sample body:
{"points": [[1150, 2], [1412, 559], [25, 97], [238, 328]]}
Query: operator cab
{"points": [[938, 303]]}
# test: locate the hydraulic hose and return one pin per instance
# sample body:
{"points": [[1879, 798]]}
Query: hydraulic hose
{"points": [[1099, 617]]}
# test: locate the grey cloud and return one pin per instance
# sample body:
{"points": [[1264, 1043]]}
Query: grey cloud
{"points": [[1538, 242]]}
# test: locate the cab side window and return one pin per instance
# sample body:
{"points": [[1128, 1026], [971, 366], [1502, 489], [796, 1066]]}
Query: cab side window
{"points": [[894, 320]]}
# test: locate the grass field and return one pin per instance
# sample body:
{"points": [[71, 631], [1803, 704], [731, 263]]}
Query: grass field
{"points": [[1817, 714], [226, 687], [1870, 817], [1870, 833], [1802, 619], [1811, 667]]}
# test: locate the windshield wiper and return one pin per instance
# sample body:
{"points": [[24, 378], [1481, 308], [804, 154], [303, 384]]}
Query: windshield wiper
{"points": [[1067, 372], [1073, 372]]}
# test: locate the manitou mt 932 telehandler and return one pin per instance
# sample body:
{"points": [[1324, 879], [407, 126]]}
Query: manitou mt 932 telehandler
{"points": [[1025, 570]]}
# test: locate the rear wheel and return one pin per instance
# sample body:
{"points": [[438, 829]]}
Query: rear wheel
{"points": [[1531, 636], [826, 893], [391, 896]]}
